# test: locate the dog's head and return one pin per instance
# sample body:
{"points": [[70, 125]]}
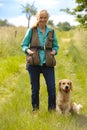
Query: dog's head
{"points": [[65, 85]]}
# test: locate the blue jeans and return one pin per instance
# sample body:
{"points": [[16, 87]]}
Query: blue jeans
{"points": [[49, 75]]}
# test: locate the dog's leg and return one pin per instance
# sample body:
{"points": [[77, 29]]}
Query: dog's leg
{"points": [[67, 111], [59, 111]]}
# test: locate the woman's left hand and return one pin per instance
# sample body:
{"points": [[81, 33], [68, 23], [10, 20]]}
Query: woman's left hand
{"points": [[53, 52]]}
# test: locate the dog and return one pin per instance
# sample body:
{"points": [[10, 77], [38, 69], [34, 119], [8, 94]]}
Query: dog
{"points": [[64, 104]]}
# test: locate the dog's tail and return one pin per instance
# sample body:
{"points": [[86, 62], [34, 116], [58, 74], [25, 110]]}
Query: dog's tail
{"points": [[76, 108]]}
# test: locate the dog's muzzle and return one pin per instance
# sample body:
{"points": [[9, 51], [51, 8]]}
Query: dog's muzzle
{"points": [[66, 89]]}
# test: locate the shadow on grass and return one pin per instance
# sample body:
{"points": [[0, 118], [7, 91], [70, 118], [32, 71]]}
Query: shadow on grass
{"points": [[81, 121]]}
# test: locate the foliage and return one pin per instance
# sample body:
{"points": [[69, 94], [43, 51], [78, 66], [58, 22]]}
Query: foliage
{"points": [[29, 10], [65, 26], [80, 12], [5, 23], [50, 22]]}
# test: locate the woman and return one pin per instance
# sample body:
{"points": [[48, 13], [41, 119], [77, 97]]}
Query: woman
{"points": [[40, 45]]}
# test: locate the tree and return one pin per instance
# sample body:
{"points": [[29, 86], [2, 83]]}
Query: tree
{"points": [[59, 25], [50, 22], [5, 23], [29, 10], [80, 12], [65, 26]]}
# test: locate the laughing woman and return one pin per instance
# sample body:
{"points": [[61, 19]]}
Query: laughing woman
{"points": [[40, 46]]}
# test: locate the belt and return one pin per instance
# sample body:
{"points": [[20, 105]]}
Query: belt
{"points": [[40, 48]]}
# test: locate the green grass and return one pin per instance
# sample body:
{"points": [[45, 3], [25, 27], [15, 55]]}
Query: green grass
{"points": [[15, 90]]}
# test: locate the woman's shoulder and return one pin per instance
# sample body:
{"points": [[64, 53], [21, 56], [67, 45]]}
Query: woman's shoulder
{"points": [[29, 30], [49, 28]]}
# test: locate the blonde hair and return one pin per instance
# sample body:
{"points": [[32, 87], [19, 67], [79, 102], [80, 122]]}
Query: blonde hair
{"points": [[38, 14], [42, 12]]}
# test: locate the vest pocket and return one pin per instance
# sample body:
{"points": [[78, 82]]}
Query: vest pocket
{"points": [[33, 59], [50, 60]]}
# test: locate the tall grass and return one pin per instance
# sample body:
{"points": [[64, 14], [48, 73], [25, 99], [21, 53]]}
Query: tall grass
{"points": [[10, 38], [10, 57], [15, 90]]}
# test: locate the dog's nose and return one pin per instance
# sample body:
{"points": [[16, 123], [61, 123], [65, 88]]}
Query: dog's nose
{"points": [[67, 87]]}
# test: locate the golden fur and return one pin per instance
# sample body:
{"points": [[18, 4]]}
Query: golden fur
{"points": [[64, 104]]}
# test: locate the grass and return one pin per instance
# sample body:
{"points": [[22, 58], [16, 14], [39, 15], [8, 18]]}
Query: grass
{"points": [[15, 90]]}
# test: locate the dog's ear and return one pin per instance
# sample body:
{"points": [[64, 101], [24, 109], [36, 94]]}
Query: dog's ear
{"points": [[59, 85], [71, 85]]}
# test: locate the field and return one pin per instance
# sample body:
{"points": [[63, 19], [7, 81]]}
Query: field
{"points": [[15, 90]]}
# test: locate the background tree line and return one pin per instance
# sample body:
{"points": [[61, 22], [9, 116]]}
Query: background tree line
{"points": [[5, 23], [80, 12], [65, 26]]}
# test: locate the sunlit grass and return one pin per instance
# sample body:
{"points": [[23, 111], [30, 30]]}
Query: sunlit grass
{"points": [[15, 89]]}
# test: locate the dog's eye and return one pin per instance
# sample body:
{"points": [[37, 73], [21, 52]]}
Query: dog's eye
{"points": [[63, 83], [68, 83]]}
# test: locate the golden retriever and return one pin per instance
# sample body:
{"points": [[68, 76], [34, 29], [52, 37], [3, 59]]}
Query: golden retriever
{"points": [[64, 104]]}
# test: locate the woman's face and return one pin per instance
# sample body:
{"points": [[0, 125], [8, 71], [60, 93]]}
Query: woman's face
{"points": [[42, 19]]}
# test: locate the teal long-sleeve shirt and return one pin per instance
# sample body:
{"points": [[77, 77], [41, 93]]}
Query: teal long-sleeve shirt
{"points": [[42, 39]]}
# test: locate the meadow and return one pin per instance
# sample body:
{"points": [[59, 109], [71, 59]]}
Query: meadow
{"points": [[15, 90]]}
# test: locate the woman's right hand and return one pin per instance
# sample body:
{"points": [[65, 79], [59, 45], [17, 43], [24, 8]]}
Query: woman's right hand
{"points": [[29, 51]]}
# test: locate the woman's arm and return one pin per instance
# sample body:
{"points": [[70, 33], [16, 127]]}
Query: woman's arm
{"points": [[26, 41]]}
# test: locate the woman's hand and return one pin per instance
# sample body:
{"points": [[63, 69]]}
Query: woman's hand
{"points": [[53, 52], [29, 51]]}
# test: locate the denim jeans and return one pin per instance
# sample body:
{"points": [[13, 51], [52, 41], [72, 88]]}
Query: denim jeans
{"points": [[49, 75]]}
